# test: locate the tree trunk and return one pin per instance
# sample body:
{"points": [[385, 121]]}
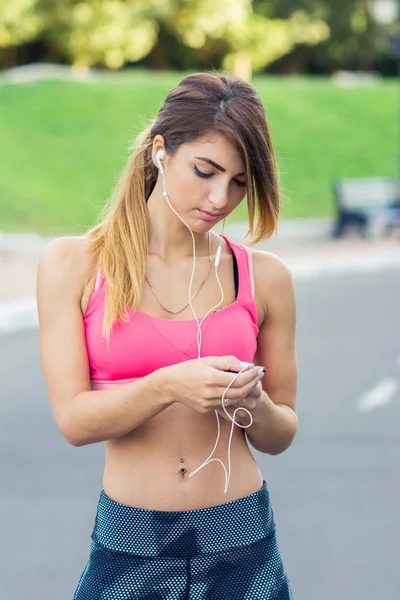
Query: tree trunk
{"points": [[9, 57]]}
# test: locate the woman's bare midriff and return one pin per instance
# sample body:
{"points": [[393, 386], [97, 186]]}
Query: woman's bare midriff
{"points": [[149, 468]]}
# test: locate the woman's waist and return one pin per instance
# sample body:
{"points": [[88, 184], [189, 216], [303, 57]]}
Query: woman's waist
{"points": [[144, 479]]}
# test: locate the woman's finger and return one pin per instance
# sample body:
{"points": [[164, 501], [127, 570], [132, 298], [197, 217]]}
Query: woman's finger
{"points": [[241, 380]]}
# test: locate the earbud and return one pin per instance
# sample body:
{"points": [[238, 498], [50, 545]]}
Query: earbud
{"points": [[218, 255], [159, 156]]}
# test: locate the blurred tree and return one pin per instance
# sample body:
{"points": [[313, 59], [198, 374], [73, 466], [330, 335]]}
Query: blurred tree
{"points": [[242, 35], [251, 39], [355, 41], [103, 32], [20, 22], [228, 33], [266, 39]]}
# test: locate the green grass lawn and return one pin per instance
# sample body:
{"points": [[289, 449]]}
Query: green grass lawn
{"points": [[64, 144]]}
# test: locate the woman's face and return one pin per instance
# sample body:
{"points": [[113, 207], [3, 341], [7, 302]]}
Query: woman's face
{"points": [[204, 176]]}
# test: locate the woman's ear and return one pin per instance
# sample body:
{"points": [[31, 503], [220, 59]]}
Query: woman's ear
{"points": [[158, 145]]}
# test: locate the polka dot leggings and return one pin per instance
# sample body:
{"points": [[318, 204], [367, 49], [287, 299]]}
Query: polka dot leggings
{"points": [[224, 552]]}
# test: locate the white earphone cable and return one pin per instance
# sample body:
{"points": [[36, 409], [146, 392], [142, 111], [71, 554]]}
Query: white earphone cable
{"points": [[160, 154]]}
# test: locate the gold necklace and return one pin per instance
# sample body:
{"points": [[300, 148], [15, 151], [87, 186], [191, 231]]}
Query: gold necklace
{"points": [[175, 312]]}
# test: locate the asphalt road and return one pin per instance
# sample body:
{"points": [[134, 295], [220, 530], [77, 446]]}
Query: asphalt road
{"points": [[335, 492]]}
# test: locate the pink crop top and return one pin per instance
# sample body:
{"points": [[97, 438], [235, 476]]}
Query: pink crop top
{"points": [[147, 343]]}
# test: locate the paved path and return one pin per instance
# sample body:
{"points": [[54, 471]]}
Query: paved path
{"points": [[334, 492]]}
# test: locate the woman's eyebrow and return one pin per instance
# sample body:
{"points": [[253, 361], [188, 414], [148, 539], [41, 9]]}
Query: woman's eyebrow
{"points": [[214, 164]]}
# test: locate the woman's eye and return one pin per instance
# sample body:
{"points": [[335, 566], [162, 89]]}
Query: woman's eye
{"points": [[201, 174], [208, 175]]}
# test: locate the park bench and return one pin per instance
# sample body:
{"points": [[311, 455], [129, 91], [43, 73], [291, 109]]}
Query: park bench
{"points": [[361, 201]]}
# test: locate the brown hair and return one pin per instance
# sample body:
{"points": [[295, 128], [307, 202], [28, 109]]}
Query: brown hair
{"points": [[202, 104]]}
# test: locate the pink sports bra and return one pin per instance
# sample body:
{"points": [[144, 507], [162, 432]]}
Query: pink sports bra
{"points": [[147, 343]]}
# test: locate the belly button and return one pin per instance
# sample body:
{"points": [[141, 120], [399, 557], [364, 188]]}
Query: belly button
{"points": [[183, 471]]}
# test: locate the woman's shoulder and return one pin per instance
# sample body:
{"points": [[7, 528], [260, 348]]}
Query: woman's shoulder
{"points": [[68, 259], [269, 264], [272, 277]]}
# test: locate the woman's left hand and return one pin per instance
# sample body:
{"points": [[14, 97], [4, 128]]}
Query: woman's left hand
{"points": [[252, 402]]}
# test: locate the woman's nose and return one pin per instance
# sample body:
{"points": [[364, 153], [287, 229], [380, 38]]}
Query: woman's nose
{"points": [[219, 197]]}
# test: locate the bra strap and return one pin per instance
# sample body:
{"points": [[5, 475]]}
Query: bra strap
{"points": [[98, 279], [245, 267], [250, 268]]}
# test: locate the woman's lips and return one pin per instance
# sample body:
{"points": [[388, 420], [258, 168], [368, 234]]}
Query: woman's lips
{"points": [[207, 216]]}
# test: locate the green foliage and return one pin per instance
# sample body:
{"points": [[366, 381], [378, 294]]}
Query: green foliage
{"points": [[114, 32], [255, 33], [67, 143], [103, 32], [206, 24], [266, 40], [355, 40], [20, 22]]}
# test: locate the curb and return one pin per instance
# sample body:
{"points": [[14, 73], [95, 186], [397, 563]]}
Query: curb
{"points": [[23, 243], [289, 230]]}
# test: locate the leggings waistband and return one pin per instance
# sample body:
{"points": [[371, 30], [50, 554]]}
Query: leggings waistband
{"points": [[181, 534]]}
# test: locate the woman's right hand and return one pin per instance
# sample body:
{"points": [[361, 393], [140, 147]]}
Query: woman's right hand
{"points": [[200, 383]]}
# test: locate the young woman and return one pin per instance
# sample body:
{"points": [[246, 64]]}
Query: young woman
{"points": [[126, 362]]}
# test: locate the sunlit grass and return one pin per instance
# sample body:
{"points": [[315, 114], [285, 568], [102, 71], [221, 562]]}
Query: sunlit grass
{"points": [[64, 144]]}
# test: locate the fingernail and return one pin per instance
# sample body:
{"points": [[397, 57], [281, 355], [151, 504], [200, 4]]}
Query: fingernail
{"points": [[261, 371]]}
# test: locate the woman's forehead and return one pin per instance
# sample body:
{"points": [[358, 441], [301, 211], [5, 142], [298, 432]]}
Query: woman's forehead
{"points": [[218, 148]]}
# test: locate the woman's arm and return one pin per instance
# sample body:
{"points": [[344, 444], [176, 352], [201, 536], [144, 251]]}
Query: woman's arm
{"points": [[82, 415], [275, 420]]}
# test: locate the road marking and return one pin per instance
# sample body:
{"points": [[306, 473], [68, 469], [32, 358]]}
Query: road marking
{"points": [[380, 395]]}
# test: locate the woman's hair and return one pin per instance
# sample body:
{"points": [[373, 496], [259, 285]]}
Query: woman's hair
{"points": [[203, 104]]}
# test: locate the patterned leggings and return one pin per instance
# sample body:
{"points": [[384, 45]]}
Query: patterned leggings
{"points": [[224, 552]]}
